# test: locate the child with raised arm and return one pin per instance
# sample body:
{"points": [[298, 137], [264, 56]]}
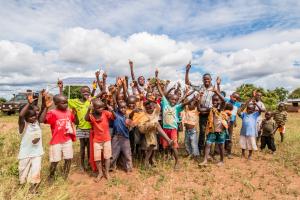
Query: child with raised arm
{"points": [[280, 117], [80, 106], [99, 120], [268, 128], [249, 126], [190, 118], [216, 127], [31, 148], [61, 121], [171, 110]]}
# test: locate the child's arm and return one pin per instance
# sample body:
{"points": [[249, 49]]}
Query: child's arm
{"points": [[242, 108], [125, 90], [94, 86], [187, 70], [187, 102], [159, 88], [87, 115], [48, 104], [100, 84], [218, 81], [60, 85], [131, 70], [21, 120], [217, 92]]}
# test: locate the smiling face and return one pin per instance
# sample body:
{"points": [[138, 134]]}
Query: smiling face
{"points": [[30, 116], [141, 81], [122, 107], [85, 92], [149, 107], [235, 97], [206, 80], [281, 107], [131, 102], [99, 106], [258, 96], [250, 109], [173, 99], [61, 102], [268, 115], [216, 101]]}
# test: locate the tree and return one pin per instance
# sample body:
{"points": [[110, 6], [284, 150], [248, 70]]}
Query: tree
{"points": [[2, 100], [282, 93], [270, 97], [295, 94], [74, 91]]}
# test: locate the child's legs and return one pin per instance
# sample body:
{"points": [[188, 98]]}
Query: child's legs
{"points": [[162, 133], [202, 126], [35, 170], [98, 148], [228, 143], [263, 142], [187, 142], [220, 141], [82, 151], [126, 150], [271, 143], [67, 167], [148, 155], [194, 143], [116, 149], [24, 168]]}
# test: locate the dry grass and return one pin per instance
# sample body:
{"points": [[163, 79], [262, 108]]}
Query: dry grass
{"points": [[266, 177]]}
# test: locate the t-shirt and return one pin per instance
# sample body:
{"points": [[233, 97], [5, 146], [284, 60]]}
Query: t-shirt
{"points": [[81, 110], [27, 148], [62, 127], [190, 117], [236, 105], [280, 117], [249, 126], [101, 126], [206, 100], [119, 126], [170, 114], [268, 127]]}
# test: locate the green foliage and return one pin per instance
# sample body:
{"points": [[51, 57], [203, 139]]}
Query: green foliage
{"points": [[74, 91], [270, 97], [295, 94], [2, 100]]}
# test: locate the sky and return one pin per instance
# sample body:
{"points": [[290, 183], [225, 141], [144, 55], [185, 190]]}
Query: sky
{"points": [[241, 41]]}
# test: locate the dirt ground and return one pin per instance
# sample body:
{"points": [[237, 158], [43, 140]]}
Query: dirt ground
{"points": [[266, 176]]}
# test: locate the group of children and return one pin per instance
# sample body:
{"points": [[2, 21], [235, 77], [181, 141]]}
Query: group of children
{"points": [[135, 120]]}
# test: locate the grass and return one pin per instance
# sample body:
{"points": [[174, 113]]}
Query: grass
{"points": [[160, 182]]}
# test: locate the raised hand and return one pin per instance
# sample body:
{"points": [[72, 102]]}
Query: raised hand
{"points": [[156, 72], [130, 63], [94, 85], [254, 93], [60, 83], [218, 81], [30, 98], [104, 75], [97, 74], [48, 101], [188, 66]]}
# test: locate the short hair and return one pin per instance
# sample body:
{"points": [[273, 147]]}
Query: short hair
{"points": [[29, 114], [56, 98], [206, 74], [85, 86]]}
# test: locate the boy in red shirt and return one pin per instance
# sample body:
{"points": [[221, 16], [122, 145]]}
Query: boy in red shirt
{"points": [[61, 121], [99, 120]]}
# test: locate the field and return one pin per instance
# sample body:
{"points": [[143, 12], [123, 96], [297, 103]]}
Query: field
{"points": [[265, 177]]}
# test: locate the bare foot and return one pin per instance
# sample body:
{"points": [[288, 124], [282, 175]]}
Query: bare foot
{"points": [[220, 164], [204, 163], [176, 167], [99, 177]]}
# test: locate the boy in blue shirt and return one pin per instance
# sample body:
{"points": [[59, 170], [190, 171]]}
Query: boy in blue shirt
{"points": [[248, 130]]}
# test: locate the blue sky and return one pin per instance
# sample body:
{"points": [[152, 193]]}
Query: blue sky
{"points": [[241, 41]]}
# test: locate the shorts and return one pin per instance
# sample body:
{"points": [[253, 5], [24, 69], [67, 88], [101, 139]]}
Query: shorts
{"points": [[218, 138], [82, 133], [281, 129], [248, 142], [100, 147], [56, 150], [172, 134], [30, 170]]}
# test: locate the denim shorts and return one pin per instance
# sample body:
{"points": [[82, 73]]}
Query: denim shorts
{"points": [[218, 138]]}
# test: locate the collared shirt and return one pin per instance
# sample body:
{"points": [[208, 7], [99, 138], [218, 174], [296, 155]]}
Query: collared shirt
{"points": [[206, 100], [119, 126]]}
